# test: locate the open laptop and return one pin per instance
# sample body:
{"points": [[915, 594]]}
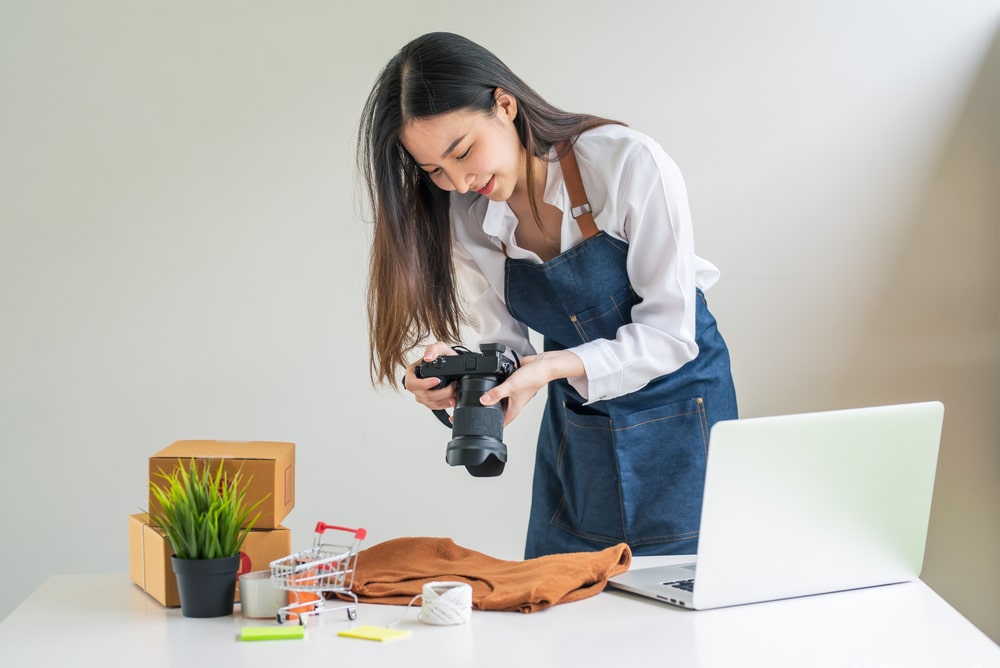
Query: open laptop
{"points": [[807, 504]]}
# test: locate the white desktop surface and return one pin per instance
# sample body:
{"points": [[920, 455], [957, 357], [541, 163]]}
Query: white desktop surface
{"points": [[104, 620]]}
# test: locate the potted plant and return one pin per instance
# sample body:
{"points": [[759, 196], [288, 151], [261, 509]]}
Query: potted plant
{"points": [[206, 518]]}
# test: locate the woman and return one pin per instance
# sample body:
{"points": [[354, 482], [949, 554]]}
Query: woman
{"points": [[492, 207]]}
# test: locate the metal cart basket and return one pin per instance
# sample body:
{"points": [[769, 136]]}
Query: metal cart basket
{"points": [[326, 568]]}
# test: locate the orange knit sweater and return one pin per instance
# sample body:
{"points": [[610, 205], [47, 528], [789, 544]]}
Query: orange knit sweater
{"points": [[395, 571]]}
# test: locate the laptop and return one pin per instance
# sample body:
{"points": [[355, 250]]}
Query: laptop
{"points": [[805, 504]]}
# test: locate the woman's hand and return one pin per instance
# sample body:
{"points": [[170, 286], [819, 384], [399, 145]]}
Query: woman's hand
{"points": [[428, 391], [535, 372]]}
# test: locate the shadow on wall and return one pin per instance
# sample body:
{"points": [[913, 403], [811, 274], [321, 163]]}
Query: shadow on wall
{"points": [[935, 331]]}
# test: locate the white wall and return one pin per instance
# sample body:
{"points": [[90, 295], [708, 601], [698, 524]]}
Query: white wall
{"points": [[182, 252]]}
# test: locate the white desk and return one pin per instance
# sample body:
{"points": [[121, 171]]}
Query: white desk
{"points": [[104, 620]]}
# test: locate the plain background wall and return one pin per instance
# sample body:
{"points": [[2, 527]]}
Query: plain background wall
{"points": [[183, 251]]}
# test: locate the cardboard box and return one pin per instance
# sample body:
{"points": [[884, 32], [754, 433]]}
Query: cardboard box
{"points": [[149, 557], [269, 466]]}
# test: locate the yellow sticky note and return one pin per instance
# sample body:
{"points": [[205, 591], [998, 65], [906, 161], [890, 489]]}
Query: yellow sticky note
{"points": [[272, 632], [374, 633]]}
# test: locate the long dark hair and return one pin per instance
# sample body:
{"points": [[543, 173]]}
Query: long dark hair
{"points": [[412, 295]]}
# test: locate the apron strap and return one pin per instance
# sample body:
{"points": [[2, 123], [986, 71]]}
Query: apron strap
{"points": [[580, 207]]}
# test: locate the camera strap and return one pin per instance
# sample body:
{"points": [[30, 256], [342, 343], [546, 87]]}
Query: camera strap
{"points": [[443, 416]]}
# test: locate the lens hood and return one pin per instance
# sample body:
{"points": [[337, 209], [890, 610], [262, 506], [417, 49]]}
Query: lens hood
{"points": [[482, 456]]}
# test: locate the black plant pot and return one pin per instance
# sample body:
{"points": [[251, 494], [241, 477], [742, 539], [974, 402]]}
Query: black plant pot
{"points": [[207, 586]]}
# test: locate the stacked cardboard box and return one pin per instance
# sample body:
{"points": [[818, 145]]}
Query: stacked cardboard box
{"points": [[268, 467]]}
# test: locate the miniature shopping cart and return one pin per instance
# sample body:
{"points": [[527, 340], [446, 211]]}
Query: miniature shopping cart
{"points": [[324, 569]]}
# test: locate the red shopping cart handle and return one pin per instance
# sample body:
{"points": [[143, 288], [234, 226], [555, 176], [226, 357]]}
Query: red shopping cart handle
{"points": [[358, 533]]}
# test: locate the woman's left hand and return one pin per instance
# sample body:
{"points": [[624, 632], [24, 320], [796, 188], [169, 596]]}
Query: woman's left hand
{"points": [[535, 372]]}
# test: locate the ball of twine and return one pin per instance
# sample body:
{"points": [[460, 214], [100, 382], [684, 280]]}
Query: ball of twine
{"points": [[446, 603]]}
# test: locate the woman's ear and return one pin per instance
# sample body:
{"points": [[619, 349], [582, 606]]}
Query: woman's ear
{"points": [[506, 104]]}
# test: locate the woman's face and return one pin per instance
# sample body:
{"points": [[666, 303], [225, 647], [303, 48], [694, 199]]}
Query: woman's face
{"points": [[470, 150]]}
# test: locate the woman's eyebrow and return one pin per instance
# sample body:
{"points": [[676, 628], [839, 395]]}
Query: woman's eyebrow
{"points": [[451, 147]]}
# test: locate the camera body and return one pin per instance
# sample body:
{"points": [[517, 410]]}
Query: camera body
{"points": [[477, 430]]}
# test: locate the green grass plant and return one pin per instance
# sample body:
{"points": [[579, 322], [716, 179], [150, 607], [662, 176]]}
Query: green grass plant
{"points": [[204, 514]]}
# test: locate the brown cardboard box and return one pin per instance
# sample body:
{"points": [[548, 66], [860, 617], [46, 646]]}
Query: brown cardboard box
{"points": [[149, 557], [269, 466]]}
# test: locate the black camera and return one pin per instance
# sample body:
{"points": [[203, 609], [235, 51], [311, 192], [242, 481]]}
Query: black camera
{"points": [[476, 430]]}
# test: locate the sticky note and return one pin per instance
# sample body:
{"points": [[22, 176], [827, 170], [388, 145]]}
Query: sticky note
{"points": [[272, 632], [374, 633]]}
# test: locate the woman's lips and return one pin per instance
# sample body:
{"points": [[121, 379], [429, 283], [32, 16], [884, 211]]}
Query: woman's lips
{"points": [[488, 188]]}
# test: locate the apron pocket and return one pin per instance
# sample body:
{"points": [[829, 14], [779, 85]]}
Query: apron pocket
{"points": [[603, 320], [661, 459], [587, 467]]}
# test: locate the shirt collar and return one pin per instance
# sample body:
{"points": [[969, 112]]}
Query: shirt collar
{"points": [[555, 186], [500, 222]]}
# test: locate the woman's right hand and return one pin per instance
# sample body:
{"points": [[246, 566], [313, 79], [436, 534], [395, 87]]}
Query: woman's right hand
{"points": [[428, 391]]}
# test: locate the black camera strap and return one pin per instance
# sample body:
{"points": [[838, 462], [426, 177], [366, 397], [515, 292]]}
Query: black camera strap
{"points": [[443, 416]]}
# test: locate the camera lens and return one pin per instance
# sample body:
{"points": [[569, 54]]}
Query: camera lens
{"points": [[477, 430]]}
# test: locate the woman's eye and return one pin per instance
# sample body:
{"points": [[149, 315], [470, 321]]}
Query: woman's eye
{"points": [[466, 154]]}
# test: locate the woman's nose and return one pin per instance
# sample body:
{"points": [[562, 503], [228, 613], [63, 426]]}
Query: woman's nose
{"points": [[462, 182]]}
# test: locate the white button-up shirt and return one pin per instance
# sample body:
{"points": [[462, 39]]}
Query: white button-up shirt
{"points": [[637, 195]]}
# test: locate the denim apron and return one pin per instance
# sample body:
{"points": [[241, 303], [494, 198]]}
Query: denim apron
{"points": [[629, 469]]}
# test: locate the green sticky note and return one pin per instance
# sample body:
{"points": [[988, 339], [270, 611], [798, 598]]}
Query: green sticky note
{"points": [[272, 632], [374, 633]]}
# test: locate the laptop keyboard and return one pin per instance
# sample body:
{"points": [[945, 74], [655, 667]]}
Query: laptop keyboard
{"points": [[686, 585]]}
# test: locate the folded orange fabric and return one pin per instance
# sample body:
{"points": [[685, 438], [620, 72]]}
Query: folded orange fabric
{"points": [[395, 571]]}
